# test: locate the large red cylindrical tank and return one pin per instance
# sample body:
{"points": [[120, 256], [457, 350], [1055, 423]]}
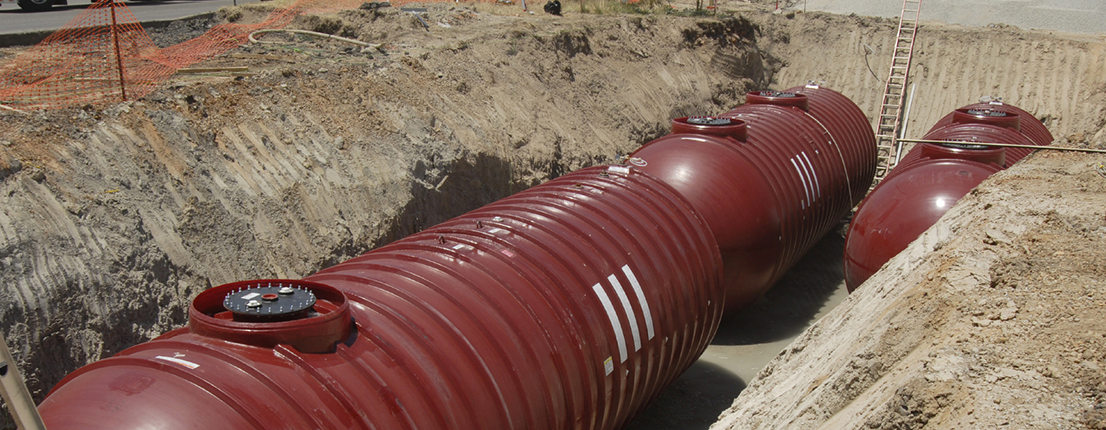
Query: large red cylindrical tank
{"points": [[771, 189], [930, 178], [567, 306]]}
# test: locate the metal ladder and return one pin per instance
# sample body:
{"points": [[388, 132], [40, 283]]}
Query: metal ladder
{"points": [[890, 112]]}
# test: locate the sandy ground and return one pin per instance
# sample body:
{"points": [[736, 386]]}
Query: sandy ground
{"points": [[112, 219]]}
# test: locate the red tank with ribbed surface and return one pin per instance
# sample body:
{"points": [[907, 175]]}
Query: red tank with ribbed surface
{"points": [[1027, 124], [570, 305], [803, 159], [931, 178]]}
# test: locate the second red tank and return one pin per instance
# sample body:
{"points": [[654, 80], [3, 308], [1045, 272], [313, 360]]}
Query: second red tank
{"points": [[772, 188], [931, 178]]}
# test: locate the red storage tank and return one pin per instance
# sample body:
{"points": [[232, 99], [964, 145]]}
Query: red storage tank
{"points": [[931, 178], [570, 305], [772, 189]]}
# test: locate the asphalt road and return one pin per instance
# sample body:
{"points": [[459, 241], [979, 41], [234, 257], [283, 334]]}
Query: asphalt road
{"points": [[1075, 16], [15, 20]]}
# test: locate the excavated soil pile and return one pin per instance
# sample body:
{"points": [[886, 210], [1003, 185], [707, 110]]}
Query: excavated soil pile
{"points": [[112, 219]]}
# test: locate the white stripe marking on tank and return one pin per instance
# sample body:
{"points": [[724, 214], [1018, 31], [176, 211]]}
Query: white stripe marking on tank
{"points": [[615, 324], [809, 181], [630, 315], [817, 186], [803, 179], [809, 174], [640, 298]]}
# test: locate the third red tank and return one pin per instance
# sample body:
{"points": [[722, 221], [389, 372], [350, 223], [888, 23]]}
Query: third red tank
{"points": [[932, 177]]}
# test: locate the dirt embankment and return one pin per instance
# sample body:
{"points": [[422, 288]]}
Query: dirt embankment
{"points": [[112, 220], [992, 319]]}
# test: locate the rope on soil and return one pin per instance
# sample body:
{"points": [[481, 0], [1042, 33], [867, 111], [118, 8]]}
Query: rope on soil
{"points": [[14, 110], [311, 33]]}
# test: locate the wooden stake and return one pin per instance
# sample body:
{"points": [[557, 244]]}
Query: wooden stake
{"points": [[15, 392]]}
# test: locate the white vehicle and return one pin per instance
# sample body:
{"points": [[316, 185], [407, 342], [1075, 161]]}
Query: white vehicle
{"points": [[33, 5]]}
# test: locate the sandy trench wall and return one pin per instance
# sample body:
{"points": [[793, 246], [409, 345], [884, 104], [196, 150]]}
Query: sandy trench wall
{"points": [[1060, 78], [112, 220]]}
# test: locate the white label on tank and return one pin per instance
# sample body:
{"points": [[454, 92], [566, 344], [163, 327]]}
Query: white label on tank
{"points": [[496, 230], [184, 363], [616, 324], [640, 299], [619, 169], [608, 365], [621, 292], [250, 296]]}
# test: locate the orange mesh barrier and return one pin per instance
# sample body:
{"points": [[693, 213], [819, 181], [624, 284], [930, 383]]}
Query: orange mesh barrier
{"points": [[104, 56]]}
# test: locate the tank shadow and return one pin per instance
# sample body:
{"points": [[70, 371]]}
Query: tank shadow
{"points": [[693, 401], [793, 303]]}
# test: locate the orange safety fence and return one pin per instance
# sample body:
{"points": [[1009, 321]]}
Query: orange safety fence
{"points": [[105, 56]]}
